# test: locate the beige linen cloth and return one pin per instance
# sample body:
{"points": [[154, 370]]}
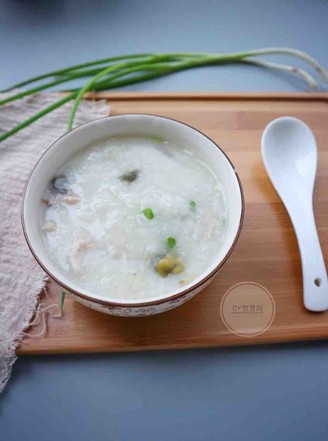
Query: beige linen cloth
{"points": [[21, 279]]}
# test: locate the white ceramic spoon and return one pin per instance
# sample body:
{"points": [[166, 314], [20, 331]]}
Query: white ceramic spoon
{"points": [[289, 153]]}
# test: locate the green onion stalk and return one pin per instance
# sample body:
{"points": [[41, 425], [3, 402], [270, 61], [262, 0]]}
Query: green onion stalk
{"points": [[120, 71]]}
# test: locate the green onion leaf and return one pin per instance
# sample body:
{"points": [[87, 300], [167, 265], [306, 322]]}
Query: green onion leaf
{"points": [[192, 205], [158, 139], [148, 212], [171, 242], [62, 300]]}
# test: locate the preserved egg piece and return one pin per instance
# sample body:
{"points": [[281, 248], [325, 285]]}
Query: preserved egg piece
{"points": [[130, 176], [60, 184], [171, 263]]}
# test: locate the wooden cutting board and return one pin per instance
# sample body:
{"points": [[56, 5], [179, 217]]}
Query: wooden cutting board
{"points": [[266, 253]]}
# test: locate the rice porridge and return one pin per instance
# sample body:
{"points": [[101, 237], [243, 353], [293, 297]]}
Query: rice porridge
{"points": [[134, 218]]}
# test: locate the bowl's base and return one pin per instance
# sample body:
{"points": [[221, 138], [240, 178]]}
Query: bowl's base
{"points": [[139, 311]]}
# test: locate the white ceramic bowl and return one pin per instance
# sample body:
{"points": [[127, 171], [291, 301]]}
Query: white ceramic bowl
{"points": [[136, 124]]}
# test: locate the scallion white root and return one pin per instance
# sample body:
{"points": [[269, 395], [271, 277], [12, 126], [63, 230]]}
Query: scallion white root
{"points": [[296, 53], [301, 73]]}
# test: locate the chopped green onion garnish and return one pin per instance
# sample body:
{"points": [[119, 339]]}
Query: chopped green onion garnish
{"points": [[158, 139], [192, 205], [171, 242], [148, 212]]}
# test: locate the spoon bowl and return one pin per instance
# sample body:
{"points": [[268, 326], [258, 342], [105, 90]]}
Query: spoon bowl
{"points": [[290, 156]]}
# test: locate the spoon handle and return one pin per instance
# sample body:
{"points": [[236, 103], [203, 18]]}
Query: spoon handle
{"points": [[315, 283]]}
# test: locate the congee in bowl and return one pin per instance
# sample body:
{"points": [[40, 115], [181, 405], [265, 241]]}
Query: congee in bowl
{"points": [[133, 218]]}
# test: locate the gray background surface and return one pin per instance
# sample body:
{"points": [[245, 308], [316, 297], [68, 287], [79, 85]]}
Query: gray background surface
{"points": [[278, 392]]}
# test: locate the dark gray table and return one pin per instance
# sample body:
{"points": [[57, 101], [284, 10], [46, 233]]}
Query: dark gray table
{"points": [[257, 393]]}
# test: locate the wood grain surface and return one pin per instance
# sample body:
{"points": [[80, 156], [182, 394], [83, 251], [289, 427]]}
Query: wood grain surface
{"points": [[266, 253]]}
